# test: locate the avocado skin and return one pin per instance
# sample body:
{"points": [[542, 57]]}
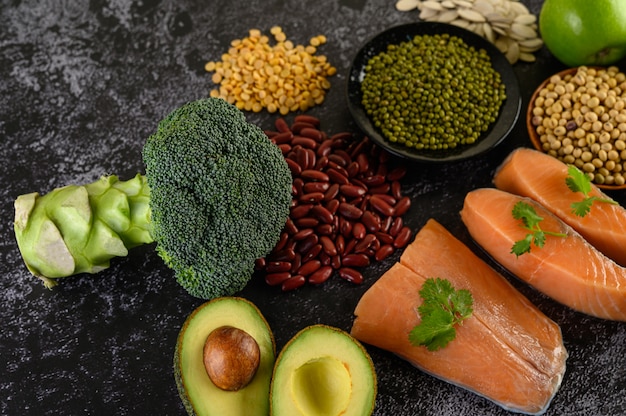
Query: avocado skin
{"points": [[317, 341], [252, 400]]}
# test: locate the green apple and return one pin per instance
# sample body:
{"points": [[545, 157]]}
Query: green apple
{"points": [[584, 32]]}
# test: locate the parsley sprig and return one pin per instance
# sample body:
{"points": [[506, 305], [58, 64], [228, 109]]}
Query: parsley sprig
{"points": [[577, 181], [530, 220], [442, 308]]}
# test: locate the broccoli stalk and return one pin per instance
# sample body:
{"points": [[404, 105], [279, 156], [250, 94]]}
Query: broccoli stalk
{"points": [[215, 197]]}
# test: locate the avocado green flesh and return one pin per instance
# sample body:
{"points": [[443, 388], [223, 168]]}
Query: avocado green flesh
{"points": [[198, 393], [323, 371]]}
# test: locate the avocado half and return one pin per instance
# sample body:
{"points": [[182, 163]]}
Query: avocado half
{"points": [[197, 392], [323, 371]]}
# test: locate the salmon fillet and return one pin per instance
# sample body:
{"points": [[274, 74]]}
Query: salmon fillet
{"points": [[539, 176], [569, 270], [508, 351]]}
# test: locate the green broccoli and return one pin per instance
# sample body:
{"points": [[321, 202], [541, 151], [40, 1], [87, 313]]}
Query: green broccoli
{"points": [[215, 197]]}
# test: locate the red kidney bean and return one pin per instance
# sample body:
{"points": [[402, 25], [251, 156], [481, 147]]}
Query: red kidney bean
{"points": [[282, 241], [290, 227], [384, 238], [402, 239], [277, 266], [359, 231], [337, 177], [352, 191], [296, 263], [314, 175], [300, 211], [305, 118], [380, 205], [351, 275], [328, 245], [306, 222], [365, 243], [304, 142], [312, 253], [325, 229], [402, 206], [384, 251], [324, 149], [274, 279], [338, 160], [297, 126], [320, 275], [307, 243], [332, 192], [352, 169], [312, 133], [340, 244], [309, 267], [284, 148], [335, 261], [281, 125], [332, 206], [315, 187], [294, 167], [396, 190], [322, 214], [386, 224], [370, 221], [387, 198], [293, 283], [349, 211], [355, 260], [302, 234], [374, 180], [313, 197], [282, 138], [396, 226]]}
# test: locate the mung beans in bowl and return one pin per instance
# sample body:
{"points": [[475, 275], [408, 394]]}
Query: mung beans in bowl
{"points": [[433, 92], [578, 115]]}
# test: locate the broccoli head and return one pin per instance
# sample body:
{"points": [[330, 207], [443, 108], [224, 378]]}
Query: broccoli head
{"points": [[215, 197], [220, 195]]}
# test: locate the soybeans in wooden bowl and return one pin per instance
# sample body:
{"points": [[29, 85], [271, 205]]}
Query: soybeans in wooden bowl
{"points": [[578, 115]]}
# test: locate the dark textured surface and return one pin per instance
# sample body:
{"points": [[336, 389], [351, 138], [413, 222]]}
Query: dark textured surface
{"points": [[82, 85]]}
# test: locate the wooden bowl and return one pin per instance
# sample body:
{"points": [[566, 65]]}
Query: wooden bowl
{"points": [[532, 132]]}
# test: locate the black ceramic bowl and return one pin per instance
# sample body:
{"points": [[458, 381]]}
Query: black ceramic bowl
{"points": [[509, 112]]}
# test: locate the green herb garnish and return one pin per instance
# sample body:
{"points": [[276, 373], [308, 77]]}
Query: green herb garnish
{"points": [[529, 217], [577, 181], [442, 308]]}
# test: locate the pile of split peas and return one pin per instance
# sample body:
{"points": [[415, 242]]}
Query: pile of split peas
{"points": [[283, 77]]}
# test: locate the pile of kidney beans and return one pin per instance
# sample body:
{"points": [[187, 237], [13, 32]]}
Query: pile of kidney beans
{"points": [[346, 210]]}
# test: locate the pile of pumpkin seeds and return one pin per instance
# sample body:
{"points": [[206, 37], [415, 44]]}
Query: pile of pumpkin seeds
{"points": [[508, 24]]}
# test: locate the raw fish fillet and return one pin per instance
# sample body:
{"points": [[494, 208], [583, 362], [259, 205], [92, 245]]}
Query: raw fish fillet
{"points": [[568, 269], [508, 351], [539, 176]]}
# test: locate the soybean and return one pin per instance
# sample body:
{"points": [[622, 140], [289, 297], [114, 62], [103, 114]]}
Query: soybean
{"points": [[432, 93], [590, 130]]}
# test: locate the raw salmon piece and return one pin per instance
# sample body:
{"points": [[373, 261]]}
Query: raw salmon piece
{"points": [[539, 176], [568, 269], [508, 351]]}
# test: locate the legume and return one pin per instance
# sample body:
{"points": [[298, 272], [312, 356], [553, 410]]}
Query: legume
{"points": [[282, 78], [346, 210], [434, 92], [581, 119]]}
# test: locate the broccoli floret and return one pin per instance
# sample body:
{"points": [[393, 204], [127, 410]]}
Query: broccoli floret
{"points": [[215, 197], [221, 192]]}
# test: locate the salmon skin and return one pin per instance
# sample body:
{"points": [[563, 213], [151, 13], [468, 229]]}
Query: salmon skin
{"points": [[507, 351], [568, 269], [534, 174]]}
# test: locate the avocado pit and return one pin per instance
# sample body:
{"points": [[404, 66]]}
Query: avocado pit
{"points": [[231, 358]]}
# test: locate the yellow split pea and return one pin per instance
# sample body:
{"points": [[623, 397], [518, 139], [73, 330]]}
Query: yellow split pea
{"points": [[281, 78]]}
